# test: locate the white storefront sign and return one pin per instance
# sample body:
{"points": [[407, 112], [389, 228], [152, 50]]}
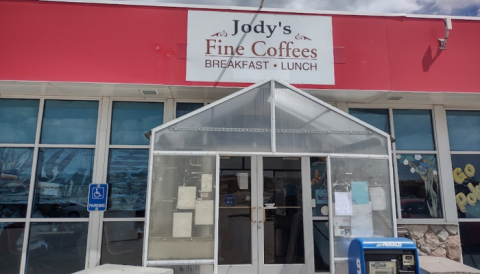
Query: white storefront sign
{"points": [[248, 47]]}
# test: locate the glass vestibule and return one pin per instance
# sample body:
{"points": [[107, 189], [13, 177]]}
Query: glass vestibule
{"points": [[192, 196]]}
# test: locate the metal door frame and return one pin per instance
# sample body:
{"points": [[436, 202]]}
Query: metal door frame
{"points": [[253, 267], [258, 227]]}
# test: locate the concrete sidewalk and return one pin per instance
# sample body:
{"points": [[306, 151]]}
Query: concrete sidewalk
{"points": [[440, 265]]}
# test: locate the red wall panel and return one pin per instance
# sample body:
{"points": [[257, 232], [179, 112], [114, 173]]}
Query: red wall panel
{"points": [[85, 43], [49, 41], [417, 63], [366, 52]]}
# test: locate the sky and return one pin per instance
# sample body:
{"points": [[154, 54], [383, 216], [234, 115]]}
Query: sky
{"points": [[436, 7]]}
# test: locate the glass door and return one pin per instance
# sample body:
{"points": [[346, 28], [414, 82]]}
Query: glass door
{"points": [[262, 228], [320, 211], [237, 228], [281, 224]]}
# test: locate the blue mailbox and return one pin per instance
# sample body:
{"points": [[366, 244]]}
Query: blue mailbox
{"points": [[383, 256]]}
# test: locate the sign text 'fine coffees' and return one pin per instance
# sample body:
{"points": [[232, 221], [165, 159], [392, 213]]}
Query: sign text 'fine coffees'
{"points": [[249, 47]]}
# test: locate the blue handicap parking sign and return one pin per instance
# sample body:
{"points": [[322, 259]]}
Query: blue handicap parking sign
{"points": [[97, 197]]}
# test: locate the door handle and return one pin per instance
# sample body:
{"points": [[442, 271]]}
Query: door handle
{"points": [[263, 221], [251, 215]]}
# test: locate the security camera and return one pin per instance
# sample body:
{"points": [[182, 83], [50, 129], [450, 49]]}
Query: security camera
{"points": [[448, 26], [448, 23]]}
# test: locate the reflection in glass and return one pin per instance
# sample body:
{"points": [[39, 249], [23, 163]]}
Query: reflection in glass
{"points": [[466, 180], [61, 187], [18, 121], [234, 228], [470, 239], [56, 248], [413, 129], [127, 179], [16, 169], [131, 120], [318, 170], [321, 250], [185, 108], [283, 233], [378, 118], [463, 130], [362, 204], [122, 243], [10, 255], [419, 186], [69, 122]]}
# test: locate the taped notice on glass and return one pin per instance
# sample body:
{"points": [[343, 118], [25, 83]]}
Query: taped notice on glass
{"points": [[360, 193], [362, 221], [186, 197], [242, 179], [343, 203], [378, 198], [204, 212], [206, 183], [182, 224]]}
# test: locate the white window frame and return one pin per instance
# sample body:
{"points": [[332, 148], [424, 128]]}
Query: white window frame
{"points": [[455, 152], [97, 228], [36, 146], [204, 102], [438, 125]]}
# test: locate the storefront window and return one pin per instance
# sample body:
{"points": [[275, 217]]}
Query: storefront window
{"points": [[470, 239], [63, 176], [56, 248], [127, 179], [16, 169], [131, 120], [378, 118], [463, 130], [11, 240], [18, 121], [413, 129], [69, 122], [185, 108], [467, 184], [420, 192], [122, 243]]}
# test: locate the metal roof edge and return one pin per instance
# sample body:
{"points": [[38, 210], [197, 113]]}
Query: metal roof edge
{"points": [[238, 8]]}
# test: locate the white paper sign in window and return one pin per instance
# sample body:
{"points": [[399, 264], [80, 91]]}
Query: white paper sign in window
{"points": [[182, 224], [206, 183], [186, 197], [343, 203], [242, 179], [204, 212], [362, 222]]}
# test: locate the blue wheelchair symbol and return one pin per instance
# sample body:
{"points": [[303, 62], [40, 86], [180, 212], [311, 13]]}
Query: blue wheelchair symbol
{"points": [[98, 193]]}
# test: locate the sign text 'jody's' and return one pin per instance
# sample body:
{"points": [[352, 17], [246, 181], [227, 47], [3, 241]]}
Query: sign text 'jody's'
{"points": [[247, 47]]}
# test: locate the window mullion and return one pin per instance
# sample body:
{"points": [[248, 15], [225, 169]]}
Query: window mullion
{"points": [[445, 164]]}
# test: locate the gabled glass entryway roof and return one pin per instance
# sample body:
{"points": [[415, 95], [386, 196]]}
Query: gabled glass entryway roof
{"points": [[272, 117]]}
